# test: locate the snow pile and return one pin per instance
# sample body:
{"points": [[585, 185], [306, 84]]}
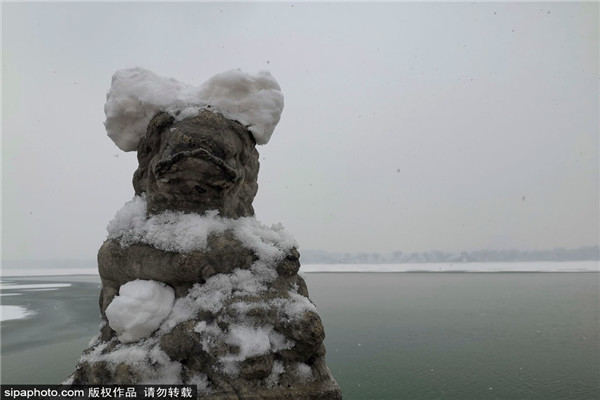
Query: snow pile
{"points": [[180, 232], [139, 309], [137, 94]]}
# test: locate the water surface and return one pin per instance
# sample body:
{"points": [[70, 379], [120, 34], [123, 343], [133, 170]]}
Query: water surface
{"points": [[418, 336], [462, 336]]}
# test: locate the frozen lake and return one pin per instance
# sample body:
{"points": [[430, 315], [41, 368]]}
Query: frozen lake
{"points": [[414, 335]]}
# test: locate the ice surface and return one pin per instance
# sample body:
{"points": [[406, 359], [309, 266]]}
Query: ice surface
{"points": [[137, 94], [139, 309], [14, 312], [7, 272], [34, 286]]}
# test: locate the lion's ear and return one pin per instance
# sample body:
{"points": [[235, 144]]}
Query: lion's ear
{"points": [[156, 127], [148, 146]]}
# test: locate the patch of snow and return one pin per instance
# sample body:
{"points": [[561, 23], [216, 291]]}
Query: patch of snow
{"points": [[304, 372], [273, 379], [211, 295], [255, 341], [139, 309], [145, 358], [181, 232], [187, 112], [252, 341], [229, 366], [128, 220], [279, 342], [245, 281], [201, 382], [137, 94], [169, 372], [211, 335], [269, 243], [294, 307], [212, 329]]}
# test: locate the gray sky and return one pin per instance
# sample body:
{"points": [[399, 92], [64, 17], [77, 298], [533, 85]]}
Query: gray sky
{"points": [[411, 127]]}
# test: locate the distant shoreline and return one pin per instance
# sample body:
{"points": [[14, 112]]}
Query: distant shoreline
{"points": [[466, 267], [463, 267]]}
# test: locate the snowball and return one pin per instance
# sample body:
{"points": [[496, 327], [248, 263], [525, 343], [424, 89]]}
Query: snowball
{"points": [[139, 309], [136, 95]]}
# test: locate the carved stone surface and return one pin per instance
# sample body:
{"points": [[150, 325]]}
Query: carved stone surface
{"points": [[118, 265], [242, 325], [202, 163]]}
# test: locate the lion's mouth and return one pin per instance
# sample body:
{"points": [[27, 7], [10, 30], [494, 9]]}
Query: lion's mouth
{"points": [[167, 166]]}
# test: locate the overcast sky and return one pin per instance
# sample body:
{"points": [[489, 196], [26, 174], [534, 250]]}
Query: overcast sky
{"points": [[411, 127]]}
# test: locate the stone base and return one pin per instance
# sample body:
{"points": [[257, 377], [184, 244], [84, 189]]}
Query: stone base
{"points": [[239, 329]]}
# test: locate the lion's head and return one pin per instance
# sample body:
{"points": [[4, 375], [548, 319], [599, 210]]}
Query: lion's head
{"points": [[200, 163]]}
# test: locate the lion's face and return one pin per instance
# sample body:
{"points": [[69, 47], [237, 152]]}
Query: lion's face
{"points": [[198, 164]]}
